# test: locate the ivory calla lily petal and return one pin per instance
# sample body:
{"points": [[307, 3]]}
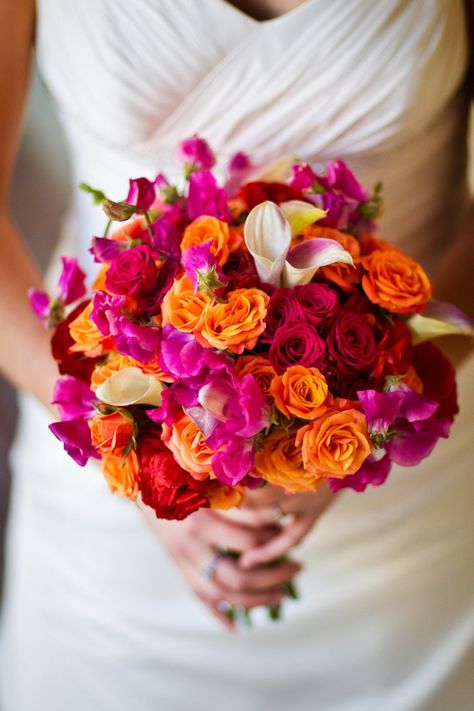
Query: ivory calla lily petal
{"points": [[439, 319], [306, 258], [267, 235], [301, 214], [276, 171], [130, 386]]}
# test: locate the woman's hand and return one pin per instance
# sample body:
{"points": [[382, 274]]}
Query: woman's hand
{"points": [[271, 504], [192, 543]]}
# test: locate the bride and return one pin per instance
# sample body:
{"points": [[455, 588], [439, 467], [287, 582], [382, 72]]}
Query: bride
{"points": [[107, 608]]}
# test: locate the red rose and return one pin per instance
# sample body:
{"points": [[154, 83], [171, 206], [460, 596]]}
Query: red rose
{"points": [[76, 364], [164, 485], [240, 271], [317, 301], [351, 343], [297, 343], [394, 348], [131, 272], [259, 191], [282, 308], [438, 378]]}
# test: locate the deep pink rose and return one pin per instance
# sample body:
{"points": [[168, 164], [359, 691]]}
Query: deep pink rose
{"points": [[297, 343], [131, 272], [317, 301], [283, 308], [351, 344]]}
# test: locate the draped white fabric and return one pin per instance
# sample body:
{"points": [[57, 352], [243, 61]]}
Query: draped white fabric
{"points": [[96, 615]]}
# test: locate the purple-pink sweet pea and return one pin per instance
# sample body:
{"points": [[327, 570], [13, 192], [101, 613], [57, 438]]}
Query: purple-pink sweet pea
{"points": [[71, 283], [105, 309], [303, 176], [374, 471], [142, 193], [166, 235], [40, 303], [182, 357], [341, 181], [104, 249], [234, 462], [131, 339], [74, 398], [205, 197], [197, 153], [201, 267], [76, 438], [239, 161]]}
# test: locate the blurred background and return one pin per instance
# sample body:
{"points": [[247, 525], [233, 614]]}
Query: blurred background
{"points": [[40, 195]]}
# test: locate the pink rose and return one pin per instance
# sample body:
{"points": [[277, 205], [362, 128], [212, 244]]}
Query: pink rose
{"points": [[131, 272]]}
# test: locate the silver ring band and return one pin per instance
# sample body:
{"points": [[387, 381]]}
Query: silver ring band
{"points": [[208, 568]]}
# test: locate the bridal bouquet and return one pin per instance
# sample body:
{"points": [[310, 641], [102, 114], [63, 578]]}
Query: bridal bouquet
{"points": [[257, 331]]}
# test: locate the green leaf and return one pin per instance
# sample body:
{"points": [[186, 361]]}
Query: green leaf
{"points": [[97, 195]]}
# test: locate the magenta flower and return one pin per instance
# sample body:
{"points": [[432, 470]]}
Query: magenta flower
{"points": [[202, 269], [104, 249], [75, 402], [205, 197], [73, 397], [71, 283], [141, 342], [70, 288], [374, 471], [40, 303], [197, 153], [239, 161], [142, 193], [106, 308], [132, 272], [339, 180], [76, 438], [166, 235], [233, 463], [303, 176]]}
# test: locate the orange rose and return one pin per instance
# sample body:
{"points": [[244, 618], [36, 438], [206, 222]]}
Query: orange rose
{"points": [[99, 283], [113, 364], [237, 323], [153, 368], [395, 282], [221, 496], [300, 392], [261, 369], [111, 432], [121, 474], [88, 339], [182, 308], [336, 444], [206, 228], [280, 462], [189, 447]]}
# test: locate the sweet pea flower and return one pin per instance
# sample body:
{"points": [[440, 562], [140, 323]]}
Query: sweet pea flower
{"points": [[340, 180], [205, 197], [104, 249], [303, 176], [75, 401], [267, 234], [202, 269], [70, 288], [197, 153]]}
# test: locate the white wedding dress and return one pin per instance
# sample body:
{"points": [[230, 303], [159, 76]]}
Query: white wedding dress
{"points": [[97, 617]]}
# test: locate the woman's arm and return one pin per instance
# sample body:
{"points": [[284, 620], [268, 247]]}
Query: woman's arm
{"points": [[25, 356]]}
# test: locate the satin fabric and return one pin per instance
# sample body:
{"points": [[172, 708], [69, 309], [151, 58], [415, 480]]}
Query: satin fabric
{"points": [[96, 614]]}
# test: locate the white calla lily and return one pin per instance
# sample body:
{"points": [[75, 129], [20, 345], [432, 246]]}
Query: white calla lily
{"points": [[130, 386], [439, 319], [306, 258], [301, 214], [267, 235]]}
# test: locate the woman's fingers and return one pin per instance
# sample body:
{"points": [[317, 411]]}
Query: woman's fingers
{"points": [[279, 545], [224, 533], [234, 578]]}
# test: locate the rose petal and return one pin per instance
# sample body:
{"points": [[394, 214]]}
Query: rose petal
{"points": [[267, 235], [130, 386]]}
